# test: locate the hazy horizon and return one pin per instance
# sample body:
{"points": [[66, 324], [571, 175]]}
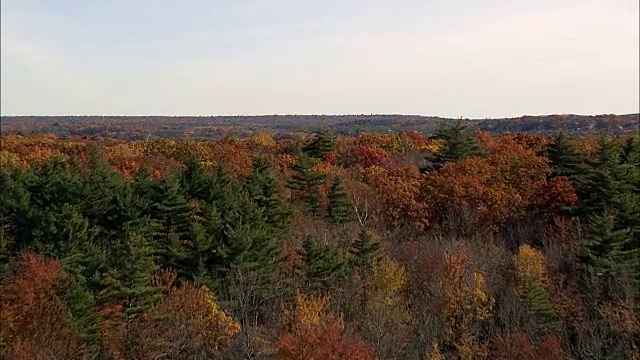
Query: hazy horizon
{"points": [[447, 59], [317, 114]]}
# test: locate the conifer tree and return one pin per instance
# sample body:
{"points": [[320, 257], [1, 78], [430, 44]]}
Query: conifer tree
{"points": [[459, 143], [5, 253], [17, 213], [631, 151], [171, 215], [321, 145], [262, 188], [83, 318], [245, 239], [323, 266], [99, 186], [194, 177], [246, 258], [364, 251], [305, 183], [564, 157], [604, 181], [196, 257], [340, 210], [604, 250], [128, 280], [539, 303]]}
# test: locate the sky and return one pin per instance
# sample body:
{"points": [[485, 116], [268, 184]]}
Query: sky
{"points": [[452, 58]]}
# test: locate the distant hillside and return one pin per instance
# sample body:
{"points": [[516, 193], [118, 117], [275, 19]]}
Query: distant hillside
{"points": [[207, 127]]}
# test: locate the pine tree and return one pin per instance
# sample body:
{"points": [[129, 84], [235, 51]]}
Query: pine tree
{"points": [[196, 257], [604, 250], [322, 145], [245, 239], [5, 253], [564, 158], [323, 266], [631, 151], [305, 182], [364, 251], [247, 254], [262, 189], [128, 281], [100, 185], [340, 210], [459, 143], [171, 215], [83, 318], [125, 211], [604, 181], [17, 213], [539, 303], [195, 181], [55, 183]]}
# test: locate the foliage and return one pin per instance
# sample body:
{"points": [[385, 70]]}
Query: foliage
{"points": [[34, 321], [512, 246], [187, 324], [311, 333]]}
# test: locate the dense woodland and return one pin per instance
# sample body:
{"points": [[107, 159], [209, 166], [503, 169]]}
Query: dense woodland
{"points": [[458, 245], [216, 127]]}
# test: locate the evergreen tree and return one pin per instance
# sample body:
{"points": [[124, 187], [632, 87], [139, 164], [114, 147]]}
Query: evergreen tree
{"points": [[17, 213], [539, 304], [207, 186], [605, 181], [5, 253], [55, 183], [305, 182], [124, 212], [459, 143], [171, 215], [262, 189], [99, 186], [564, 158], [196, 257], [340, 210], [128, 280], [323, 266], [245, 239], [604, 250], [322, 145], [364, 251], [631, 151], [83, 318], [247, 257]]}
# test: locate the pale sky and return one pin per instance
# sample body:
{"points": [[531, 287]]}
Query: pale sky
{"points": [[453, 58]]}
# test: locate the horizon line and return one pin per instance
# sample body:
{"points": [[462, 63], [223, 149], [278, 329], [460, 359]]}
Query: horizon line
{"points": [[326, 115]]}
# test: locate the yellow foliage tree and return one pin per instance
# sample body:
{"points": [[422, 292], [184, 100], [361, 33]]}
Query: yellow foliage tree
{"points": [[530, 265], [466, 303], [188, 323], [263, 139], [385, 316]]}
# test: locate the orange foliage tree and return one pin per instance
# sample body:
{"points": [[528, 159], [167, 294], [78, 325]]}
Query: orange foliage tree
{"points": [[508, 184], [33, 317], [312, 334], [398, 191], [521, 346]]}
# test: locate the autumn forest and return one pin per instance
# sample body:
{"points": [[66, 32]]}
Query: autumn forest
{"points": [[455, 241]]}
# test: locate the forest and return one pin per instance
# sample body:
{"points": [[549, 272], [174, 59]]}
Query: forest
{"points": [[282, 126], [459, 244]]}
